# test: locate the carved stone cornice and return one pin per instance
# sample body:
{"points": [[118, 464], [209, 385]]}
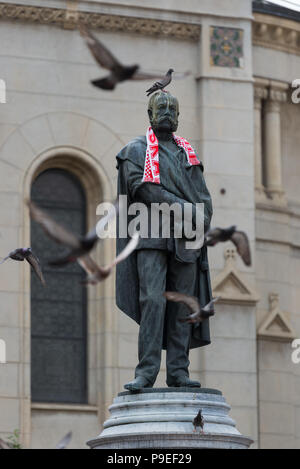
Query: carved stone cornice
{"points": [[268, 31], [69, 18], [276, 33], [32, 14]]}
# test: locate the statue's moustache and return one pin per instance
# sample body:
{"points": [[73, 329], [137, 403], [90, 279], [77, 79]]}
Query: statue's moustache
{"points": [[164, 118]]}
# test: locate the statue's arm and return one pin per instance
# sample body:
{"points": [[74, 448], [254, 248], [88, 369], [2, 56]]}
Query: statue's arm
{"points": [[206, 199], [147, 192]]}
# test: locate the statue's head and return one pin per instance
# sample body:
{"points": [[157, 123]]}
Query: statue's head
{"points": [[163, 111]]}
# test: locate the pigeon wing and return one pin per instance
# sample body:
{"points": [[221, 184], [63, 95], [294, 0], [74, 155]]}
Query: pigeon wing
{"points": [[35, 264], [156, 86], [212, 236], [202, 314], [210, 305], [83, 244], [131, 246], [95, 271], [4, 259], [206, 311], [190, 301], [64, 442], [107, 83], [241, 241], [101, 54], [87, 263], [91, 268], [54, 230], [198, 420]]}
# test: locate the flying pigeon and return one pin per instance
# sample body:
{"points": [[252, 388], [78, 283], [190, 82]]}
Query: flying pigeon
{"points": [[118, 71], [198, 314], [198, 421], [26, 254], [238, 238], [96, 273], [79, 246], [64, 442], [160, 85]]}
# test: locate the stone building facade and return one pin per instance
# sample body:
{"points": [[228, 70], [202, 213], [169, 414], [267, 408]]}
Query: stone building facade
{"points": [[236, 109]]}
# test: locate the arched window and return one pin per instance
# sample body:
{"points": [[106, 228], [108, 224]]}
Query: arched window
{"points": [[58, 311]]}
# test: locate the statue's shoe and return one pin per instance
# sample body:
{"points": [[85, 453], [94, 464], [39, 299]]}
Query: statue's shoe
{"points": [[184, 382], [138, 383]]}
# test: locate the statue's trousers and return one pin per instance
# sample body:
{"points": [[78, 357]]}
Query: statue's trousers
{"points": [[160, 271]]}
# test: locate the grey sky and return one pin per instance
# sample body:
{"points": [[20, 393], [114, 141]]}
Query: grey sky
{"points": [[292, 4]]}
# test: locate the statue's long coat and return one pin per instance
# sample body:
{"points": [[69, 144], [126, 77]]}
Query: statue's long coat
{"points": [[186, 185]]}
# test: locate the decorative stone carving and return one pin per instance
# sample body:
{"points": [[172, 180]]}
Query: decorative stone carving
{"points": [[32, 14], [72, 14], [274, 33], [291, 38], [278, 33], [266, 31], [276, 325], [69, 18], [230, 285]]}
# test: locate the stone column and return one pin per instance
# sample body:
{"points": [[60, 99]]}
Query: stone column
{"points": [[260, 93], [272, 133]]}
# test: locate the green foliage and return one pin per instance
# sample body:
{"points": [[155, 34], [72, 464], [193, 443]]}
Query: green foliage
{"points": [[14, 440]]}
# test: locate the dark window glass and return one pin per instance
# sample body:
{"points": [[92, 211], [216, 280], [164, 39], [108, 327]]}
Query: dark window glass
{"points": [[58, 311]]}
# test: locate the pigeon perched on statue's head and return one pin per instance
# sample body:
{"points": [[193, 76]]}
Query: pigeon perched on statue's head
{"points": [[160, 85]]}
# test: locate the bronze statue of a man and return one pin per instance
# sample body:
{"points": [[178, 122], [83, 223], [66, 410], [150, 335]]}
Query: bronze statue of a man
{"points": [[173, 175]]}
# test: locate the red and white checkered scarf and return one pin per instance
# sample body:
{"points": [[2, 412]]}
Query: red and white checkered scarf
{"points": [[151, 170]]}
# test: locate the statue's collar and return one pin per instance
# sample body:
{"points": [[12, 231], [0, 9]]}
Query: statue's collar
{"points": [[164, 136]]}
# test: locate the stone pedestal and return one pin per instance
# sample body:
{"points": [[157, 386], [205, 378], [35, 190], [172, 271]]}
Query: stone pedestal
{"points": [[163, 418]]}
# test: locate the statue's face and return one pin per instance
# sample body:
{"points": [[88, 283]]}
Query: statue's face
{"points": [[164, 113]]}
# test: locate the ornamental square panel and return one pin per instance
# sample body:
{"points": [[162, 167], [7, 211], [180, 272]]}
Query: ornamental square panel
{"points": [[226, 47]]}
